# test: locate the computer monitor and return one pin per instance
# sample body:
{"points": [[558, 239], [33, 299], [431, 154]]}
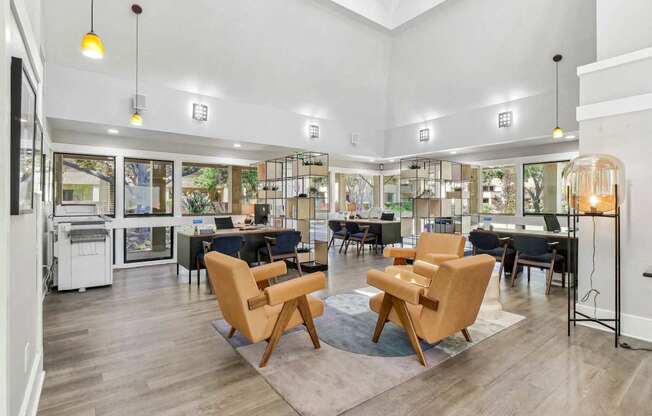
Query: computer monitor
{"points": [[261, 213], [223, 223], [552, 224], [387, 216]]}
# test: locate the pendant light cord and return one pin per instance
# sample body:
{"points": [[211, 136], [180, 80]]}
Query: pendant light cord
{"points": [[137, 54], [557, 93], [92, 10]]}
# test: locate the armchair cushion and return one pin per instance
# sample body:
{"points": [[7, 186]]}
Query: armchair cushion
{"points": [[401, 252], [362, 235], [397, 287], [438, 258], [282, 292], [268, 271], [542, 258]]}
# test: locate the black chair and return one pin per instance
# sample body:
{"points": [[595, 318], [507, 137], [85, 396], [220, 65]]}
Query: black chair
{"points": [[339, 232], [223, 223], [487, 242], [387, 216], [229, 245], [282, 246], [361, 235], [537, 252]]}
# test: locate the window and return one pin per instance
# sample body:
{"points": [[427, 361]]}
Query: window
{"points": [[357, 192], [81, 179], [205, 189], [248, 185], [499, 190], [149, 187], [543, 188], [148, 244], [391, 194]]}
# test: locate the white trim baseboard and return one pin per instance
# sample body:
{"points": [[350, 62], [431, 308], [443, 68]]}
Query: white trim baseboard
{"points": [[633, 326], [32, 396], [615, 107]]}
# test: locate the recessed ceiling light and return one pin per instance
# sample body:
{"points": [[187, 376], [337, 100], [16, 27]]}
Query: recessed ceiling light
{"points": [[570, 136], [237, 145], [391, 161], [453, 152], [372, 160], [113, 131]]}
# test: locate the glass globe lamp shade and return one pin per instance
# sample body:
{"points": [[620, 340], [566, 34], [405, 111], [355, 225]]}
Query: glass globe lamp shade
{"points": [[593, 181], [92, 46]]}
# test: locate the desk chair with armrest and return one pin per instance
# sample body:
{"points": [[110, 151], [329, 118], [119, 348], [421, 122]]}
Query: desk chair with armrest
{"points": [[264, 315], [360, 235], [488, 242], [338, 232], [229, 245], [282, 246], [537, 252]]}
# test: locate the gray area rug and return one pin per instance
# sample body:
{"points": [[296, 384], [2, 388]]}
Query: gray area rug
{"points": [[350, 369]]}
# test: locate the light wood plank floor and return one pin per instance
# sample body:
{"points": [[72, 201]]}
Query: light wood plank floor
{"points": [[145, 346]]}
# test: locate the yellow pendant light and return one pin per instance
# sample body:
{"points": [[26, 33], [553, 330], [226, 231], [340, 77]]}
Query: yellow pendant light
{"points": [[557, 132], [91, 44], [136, 117]]}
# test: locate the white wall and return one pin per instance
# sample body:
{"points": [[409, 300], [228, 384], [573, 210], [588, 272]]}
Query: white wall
{"points": [[22, 258], [615, 116], [623, 26], [456, 67]]}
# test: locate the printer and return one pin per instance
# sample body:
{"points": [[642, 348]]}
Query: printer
{"points": [[83, 246]]}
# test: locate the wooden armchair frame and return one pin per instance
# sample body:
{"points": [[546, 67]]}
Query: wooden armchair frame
{"points": [[361, 241], [504, 243], [292, 294]]}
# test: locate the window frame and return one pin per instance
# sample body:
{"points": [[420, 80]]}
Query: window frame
{"points": [[124, 188], [206, 165], [124, 245], [54, 178], [505, 214], [535, 214]]}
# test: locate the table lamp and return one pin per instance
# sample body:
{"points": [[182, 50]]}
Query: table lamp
{"points": [[596, 183]]}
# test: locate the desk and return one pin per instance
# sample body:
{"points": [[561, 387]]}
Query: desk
{"points": [[387, 232], [189, 244]]}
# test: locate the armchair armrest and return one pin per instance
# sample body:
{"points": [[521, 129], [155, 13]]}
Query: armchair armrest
{"points": [[268, 271], [270, 240], [425, 269], [553, 244], [437, 258], [504, 240], [282, 292], [400, 252], [395, 287]]}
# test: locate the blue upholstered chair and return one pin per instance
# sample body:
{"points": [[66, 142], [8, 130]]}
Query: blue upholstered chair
{"points": [[360, 235], [487, 242], [282, 246], [538, 252], [338, 231], [229, 245]]}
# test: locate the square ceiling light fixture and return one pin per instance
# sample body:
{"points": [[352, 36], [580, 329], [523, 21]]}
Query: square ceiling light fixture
{"points": [[200, 112], [313, 131], [424, 135], [505, 119]]}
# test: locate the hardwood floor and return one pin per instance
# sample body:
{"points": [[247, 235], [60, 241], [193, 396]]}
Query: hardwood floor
{"points": [[145, 346]]}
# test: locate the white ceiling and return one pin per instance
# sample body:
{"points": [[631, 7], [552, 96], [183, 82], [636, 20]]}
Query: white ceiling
{"points": [[389, 13]]}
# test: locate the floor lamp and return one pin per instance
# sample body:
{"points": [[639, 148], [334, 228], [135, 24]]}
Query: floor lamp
{"points": [[594, 189]]}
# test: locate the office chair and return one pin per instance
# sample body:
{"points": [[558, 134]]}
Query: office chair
{"points": [[552, 224]]}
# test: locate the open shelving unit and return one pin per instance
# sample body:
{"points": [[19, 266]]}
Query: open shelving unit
{"points": [[296, 189], [436, 195]]}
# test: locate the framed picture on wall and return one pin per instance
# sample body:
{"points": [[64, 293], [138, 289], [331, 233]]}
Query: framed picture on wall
{"points": [[23, 125], [38, 158]]}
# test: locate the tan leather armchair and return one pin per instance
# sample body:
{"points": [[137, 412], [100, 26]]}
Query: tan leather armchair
{"points": [[435, 306], [264, 314], [434, 248]]}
